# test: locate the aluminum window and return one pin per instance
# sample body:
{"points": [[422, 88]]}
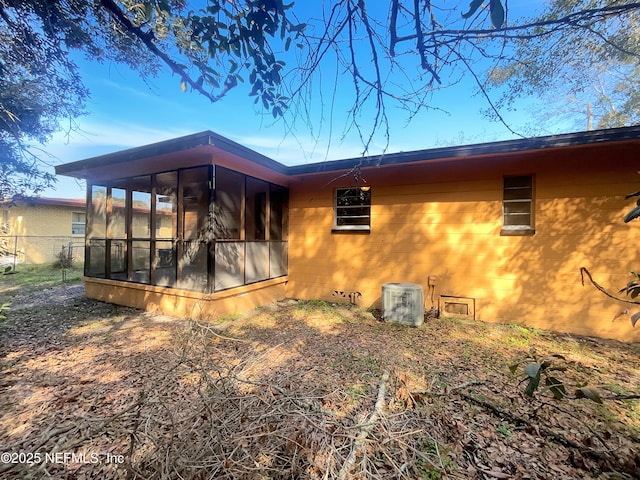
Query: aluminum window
{"points": [[352, 208], [517, 206], [78, 223]]}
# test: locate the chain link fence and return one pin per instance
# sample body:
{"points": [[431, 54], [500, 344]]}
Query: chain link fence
{"points": [[66, 251]]}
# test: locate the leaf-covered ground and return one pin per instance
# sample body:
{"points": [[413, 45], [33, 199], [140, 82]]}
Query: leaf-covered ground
{"points": [[299, 390]]}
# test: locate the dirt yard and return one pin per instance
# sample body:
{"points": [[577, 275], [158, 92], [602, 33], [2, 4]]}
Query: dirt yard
{"points": [[301, 390]]}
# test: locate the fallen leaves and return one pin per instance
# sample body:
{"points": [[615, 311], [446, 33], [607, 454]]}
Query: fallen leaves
{"points": [[285, 392]]}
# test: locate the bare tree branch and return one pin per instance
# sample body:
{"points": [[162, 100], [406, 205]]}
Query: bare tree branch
{"points": [[580, 19]]}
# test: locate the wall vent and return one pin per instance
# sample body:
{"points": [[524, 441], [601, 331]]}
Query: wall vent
{"points": [[451, 306], [403, 303]]}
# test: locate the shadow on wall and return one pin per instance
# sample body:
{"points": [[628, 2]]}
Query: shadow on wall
{"points": [[574, 233]]}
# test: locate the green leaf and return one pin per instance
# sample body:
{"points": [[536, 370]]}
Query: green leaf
{"points": [[287, 44], [513, 368], [257, 87], [148, 11], [473, 7], [533, 384], [632, 289], [557, 369], [631, 195], [300, 27], [533, 369], [164, 6], [497, 13], [585, 392], [633, 214], [556, 387], [213, 81]]}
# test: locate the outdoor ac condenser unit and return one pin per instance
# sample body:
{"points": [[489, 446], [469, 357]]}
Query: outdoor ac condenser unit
{"points": [[403, 303]]}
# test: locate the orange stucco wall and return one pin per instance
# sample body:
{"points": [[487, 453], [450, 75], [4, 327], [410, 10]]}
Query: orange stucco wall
{"points": [[444, 219]]}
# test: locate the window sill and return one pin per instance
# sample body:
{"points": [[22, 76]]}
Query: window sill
{"points": [[352, 229], [517, 232]]}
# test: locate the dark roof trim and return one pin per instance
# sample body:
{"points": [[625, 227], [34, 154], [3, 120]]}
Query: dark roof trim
{"points": [[434, 154], [174, 145], [491, 148]]}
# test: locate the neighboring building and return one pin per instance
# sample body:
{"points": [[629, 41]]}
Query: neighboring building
{"points": [[39, 229], [498, 231]]}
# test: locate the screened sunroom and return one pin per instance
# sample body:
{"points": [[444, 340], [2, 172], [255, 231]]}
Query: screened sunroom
{"points": [[196, 223], [204, 229]]}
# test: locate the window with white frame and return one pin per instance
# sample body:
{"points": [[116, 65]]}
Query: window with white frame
{"points": [[352, 207], [78, 223], [517, 206]]}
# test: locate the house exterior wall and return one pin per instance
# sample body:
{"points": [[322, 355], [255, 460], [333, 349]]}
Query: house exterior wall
{"points": [[38, 231], [444, 220], [171, 301]]}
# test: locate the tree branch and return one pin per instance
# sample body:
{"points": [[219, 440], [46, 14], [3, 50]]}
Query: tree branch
{"points": [[147, 38], [380, 107], [571, 19], [584, 271], [486, 95], [393, 34], [365, 429]]}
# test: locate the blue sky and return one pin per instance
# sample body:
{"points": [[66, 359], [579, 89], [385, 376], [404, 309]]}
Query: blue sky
{"points": [[126, 111]]}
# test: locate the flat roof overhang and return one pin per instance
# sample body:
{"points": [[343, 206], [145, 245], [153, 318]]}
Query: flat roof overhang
{"points": [[209, 147], [505, 148], [183, 152]]}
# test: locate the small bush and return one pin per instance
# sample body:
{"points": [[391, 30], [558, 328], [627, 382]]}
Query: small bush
{"points": [[63, 260]]}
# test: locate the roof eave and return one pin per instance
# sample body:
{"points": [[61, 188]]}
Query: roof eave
{"points": [[520, 145], [82, 168], [175, 145]]}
